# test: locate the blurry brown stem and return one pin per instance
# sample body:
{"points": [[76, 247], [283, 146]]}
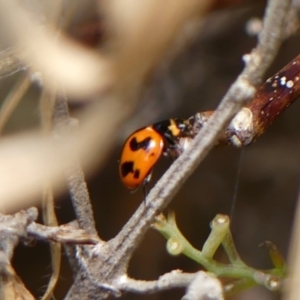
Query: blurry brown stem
{"points": [[49, 215], [13, 99], [75, 177]]}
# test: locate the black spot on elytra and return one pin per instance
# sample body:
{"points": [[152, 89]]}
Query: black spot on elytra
{"points": [[135, 145], [136, 174], [126, 168]]}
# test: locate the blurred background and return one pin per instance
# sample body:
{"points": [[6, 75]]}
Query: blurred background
{"points": [[261, 179]]}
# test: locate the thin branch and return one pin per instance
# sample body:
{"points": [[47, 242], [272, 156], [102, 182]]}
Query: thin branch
{"points": [[75, 176], [49, 216], [269, 39], [65, 127], [66, 234], [198, 285], [174, 279], [50, 219], [22, 224]]}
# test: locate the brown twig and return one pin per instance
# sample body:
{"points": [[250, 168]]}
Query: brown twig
{"points": [[275, 95], [66, 234], [270, 101], [48, 205], [22, 225]]}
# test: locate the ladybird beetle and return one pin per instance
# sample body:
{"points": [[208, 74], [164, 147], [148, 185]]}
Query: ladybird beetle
{"points": [[145, 146]]}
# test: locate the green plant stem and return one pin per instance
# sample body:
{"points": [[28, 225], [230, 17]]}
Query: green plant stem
{"points": [[230, 249], [219, 229], [220, 234], [238, 286]]}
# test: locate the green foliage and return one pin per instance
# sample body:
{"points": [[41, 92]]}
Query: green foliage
{"points": [[241, 275]]}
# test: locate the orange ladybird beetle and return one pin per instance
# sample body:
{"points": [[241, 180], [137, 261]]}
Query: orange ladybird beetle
{"points": [[145, 146]]}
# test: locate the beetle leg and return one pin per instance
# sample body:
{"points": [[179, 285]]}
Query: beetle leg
{"points": [[146, 181]]}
